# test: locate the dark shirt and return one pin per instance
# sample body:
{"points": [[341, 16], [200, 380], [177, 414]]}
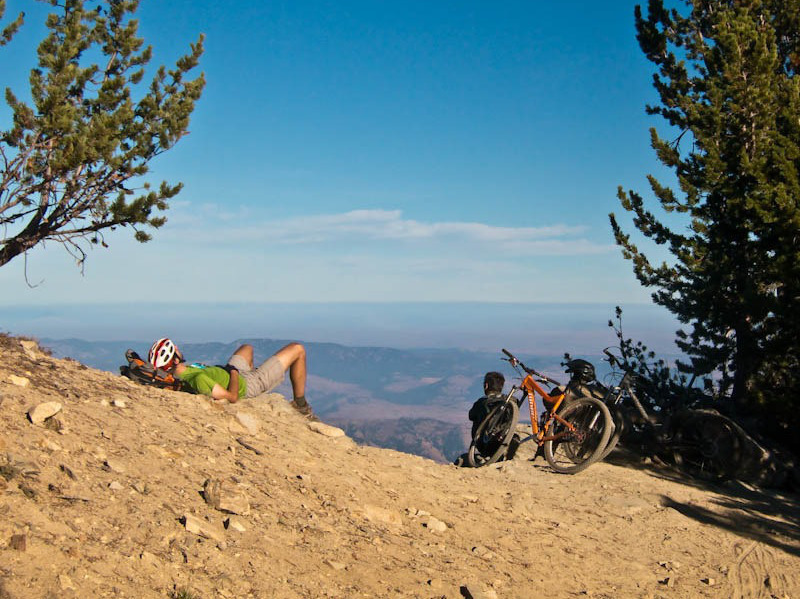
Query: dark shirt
{"points": [[481, 408]]}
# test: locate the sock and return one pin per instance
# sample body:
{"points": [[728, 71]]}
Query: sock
{"points": [[301, 401]]}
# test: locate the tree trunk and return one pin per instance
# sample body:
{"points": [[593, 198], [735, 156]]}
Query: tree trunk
{"points": [[744, 361]]}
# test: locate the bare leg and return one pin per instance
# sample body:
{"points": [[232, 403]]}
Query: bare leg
{"points": [[293, 358], [246, 351]]}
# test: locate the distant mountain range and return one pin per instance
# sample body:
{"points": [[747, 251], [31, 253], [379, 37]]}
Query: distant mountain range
{"points": [[413, 400]]}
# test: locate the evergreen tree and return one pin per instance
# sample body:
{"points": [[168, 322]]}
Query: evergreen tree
{"points": [[726, 82], [73, 160]]}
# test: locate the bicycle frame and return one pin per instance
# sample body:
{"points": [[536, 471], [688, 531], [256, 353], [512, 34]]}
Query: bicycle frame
{"points": [[614, 396], [531, 387]]}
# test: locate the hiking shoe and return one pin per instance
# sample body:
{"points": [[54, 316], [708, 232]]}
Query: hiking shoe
{"points": [[305, 410]]}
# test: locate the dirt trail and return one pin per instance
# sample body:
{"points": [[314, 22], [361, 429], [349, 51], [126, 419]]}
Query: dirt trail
{"points": [[112, 505]]}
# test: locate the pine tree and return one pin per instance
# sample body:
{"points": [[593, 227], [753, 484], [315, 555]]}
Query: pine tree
{"points": [[73, 161], [727, 88]]}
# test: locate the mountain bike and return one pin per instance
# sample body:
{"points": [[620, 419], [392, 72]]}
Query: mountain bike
{"points": [[703, 443], [572, 432]]}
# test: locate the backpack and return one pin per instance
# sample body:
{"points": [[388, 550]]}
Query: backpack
{"points": [[145, 373]]}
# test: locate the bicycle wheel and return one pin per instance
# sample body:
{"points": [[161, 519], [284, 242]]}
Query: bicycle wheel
{"points": [[706, 446], [493, 435], [575, 450], [617, 428]]}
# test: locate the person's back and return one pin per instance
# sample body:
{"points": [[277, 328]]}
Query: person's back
{"points": [[493, 392]]}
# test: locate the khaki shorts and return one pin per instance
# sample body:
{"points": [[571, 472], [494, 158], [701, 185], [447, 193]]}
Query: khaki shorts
{"points": [[261, 380]]}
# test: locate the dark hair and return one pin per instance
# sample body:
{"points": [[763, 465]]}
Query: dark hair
{"points": [[493, 382]]}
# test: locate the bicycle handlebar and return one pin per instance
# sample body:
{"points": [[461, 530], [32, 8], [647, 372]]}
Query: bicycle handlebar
{"points": [[612, 359], [516, 361]]}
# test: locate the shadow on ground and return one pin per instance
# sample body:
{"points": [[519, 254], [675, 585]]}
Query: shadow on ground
{"points": [[763, 515]]}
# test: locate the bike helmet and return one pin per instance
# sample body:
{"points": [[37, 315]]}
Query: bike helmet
{"points": [[581, 371], [164, 354]]}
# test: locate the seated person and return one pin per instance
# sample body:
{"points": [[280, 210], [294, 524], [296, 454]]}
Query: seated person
{"points": [[238, 379], [493, 392]]}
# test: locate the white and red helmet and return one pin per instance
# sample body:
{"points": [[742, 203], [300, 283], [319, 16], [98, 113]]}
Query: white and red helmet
{"points": [[164, 354]]}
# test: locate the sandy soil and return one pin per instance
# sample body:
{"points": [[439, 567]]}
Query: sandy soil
{"points": [[107, 499]]}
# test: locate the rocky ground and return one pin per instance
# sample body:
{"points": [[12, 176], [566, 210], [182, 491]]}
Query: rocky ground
{"points": [[111, 489]]}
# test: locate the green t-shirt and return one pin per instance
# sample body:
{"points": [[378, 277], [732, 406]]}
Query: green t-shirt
{"points": [[202, 379]]}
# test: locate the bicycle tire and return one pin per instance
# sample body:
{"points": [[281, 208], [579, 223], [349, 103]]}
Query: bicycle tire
{"points": [[617, 428], [574, 452], [493, 435], [706, 446]]}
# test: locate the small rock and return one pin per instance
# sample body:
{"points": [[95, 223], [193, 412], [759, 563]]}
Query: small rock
{"points": [[335, 565], [326, 429], [48, 445], [211, 492], [435, 525], [482, 552], [203, 528], [31, 348], [40, 413], [115, 486], [475, 592], [669, 581], [235, 504], [65, 582], [19, 381], [141, 487], [709, 581], [18, 542], [375, 513], [114, 466], [235, 524], [435, 583], [249, 422], [119, 403]]}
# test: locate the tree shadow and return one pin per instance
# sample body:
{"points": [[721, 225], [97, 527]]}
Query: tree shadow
{"points": [[768, 516], [754, 520]]}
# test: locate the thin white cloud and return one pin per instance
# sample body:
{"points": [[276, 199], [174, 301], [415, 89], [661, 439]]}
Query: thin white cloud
{"points": [[385, 225], [390, 224]]}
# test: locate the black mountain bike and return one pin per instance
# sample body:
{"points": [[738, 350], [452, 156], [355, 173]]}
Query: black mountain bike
{"points": [[703, 443]]}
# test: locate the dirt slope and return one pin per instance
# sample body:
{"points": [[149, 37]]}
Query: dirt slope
{"points": [[111, 505]]}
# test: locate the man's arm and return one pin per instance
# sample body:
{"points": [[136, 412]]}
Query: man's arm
{"points": [[219, 393]]}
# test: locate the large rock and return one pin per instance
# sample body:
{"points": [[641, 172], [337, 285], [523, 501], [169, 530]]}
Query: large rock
{"points": [[43, 411]]}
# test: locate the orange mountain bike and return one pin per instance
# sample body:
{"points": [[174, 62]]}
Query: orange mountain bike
{"points": [[572, 432]]}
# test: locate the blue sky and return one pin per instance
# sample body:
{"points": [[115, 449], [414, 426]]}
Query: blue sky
{"points": [[380, 152]]}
